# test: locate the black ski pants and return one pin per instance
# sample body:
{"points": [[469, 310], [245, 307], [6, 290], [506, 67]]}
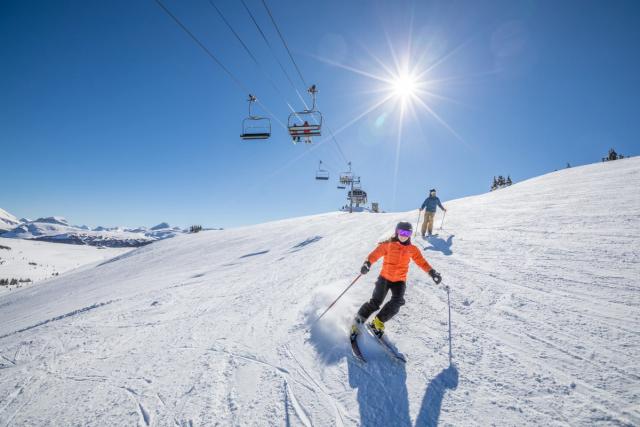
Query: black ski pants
{"points": [[391, 308]]}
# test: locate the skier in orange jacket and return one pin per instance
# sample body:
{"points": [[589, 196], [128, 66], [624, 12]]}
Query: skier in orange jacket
{"points": [[397, 252]]}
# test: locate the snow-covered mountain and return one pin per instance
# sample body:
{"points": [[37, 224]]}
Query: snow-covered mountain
{"points": [[160, 231], [216, 328], [7, 221], [58, 230]]}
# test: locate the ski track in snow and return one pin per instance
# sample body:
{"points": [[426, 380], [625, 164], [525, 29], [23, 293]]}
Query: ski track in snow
{"points": [[216, 328]]}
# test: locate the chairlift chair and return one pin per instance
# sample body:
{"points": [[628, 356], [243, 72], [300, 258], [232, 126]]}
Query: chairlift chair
{"points": [[322, 174], [255, 127], [304, 125], [346, 178]]}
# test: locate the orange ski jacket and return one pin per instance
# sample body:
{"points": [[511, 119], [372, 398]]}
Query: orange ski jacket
{"points": [[396, 259]]}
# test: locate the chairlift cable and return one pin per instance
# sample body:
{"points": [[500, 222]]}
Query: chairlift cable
{"points": [[285, 43], [266, 40], [233, 31], [297, 131], [297, 69], [203, 47], [236, 80], [246, 48], [337, 145]]}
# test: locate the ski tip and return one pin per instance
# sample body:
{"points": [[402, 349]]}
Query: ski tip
{"points": [[357, 354], [359, 359]]}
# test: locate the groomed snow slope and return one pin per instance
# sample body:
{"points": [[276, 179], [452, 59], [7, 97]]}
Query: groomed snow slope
{"points": [[212, 328]]}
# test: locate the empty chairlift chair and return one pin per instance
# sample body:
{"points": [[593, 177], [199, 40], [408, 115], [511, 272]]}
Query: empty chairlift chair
{"points": [[322, 174], [304, 125], [255, 127]]}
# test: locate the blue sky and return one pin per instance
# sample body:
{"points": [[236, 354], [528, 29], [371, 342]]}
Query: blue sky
{"points": [[110, 114]]}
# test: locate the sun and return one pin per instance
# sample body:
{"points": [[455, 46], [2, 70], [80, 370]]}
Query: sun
{"points": [[404, 86]]}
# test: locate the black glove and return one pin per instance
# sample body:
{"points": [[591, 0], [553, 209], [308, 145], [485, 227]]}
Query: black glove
{"points": [[365, 267], [435, 276]]}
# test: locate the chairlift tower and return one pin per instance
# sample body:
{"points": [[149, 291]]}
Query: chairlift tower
{"points": [[356, 194]]}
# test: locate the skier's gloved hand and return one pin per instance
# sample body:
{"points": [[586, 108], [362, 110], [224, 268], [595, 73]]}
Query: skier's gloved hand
{"points": [[365, 267], [446, 288], [435, 276]]}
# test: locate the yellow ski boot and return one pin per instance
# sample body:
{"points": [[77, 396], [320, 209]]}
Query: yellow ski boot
{"points": [[377, 326]]}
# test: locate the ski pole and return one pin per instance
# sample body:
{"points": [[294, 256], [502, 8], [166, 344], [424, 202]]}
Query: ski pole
{"points": [[417, 223], [449, 304], [443, 217], [332, 304]]}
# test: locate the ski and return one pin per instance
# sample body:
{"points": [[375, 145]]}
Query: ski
{"points": [[355, 348], [384, 343]]}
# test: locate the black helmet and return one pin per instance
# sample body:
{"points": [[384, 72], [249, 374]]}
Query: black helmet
{"points": [[404, 226], [433, 190]]}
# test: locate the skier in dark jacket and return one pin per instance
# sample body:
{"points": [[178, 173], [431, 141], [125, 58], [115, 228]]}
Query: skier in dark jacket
{"points": [[429, 206], [397, 251]]}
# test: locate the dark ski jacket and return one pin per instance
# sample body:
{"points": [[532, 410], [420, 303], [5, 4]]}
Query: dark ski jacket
{"points": [[431, 203]]}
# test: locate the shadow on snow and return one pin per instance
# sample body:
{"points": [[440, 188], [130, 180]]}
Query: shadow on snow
{"points": [[382, 391], [381, 382], [254, 254], [306, 242], [440, 245], [432, 401]]}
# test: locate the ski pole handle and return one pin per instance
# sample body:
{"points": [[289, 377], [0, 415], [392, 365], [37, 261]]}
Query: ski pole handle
{"points": [[336, 300]]}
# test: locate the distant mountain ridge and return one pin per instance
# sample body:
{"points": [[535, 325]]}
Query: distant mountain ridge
{"points": [[57, 229]]}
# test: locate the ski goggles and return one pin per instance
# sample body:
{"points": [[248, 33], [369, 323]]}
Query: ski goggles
{"points": [[403, 233]]}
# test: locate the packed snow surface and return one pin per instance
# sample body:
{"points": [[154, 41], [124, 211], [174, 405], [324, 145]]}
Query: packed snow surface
{"points": [[215, 328]]}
